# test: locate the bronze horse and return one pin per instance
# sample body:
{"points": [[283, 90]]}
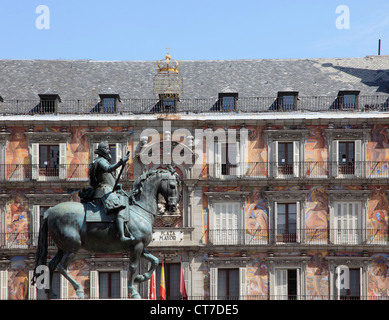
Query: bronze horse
{"points": [[69, 230]]}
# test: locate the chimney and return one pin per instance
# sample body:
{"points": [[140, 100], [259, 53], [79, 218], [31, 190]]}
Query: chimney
{"points": [[379, 47]]}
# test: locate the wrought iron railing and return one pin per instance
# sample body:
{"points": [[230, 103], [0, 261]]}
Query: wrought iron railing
{"points": [[247, 237], [308, 237], [372, 103], [298, 170], [68, 172]]}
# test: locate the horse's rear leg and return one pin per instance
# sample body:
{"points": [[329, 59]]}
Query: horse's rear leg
{"points": [[134, 260], [52, 266], [62, 269]]}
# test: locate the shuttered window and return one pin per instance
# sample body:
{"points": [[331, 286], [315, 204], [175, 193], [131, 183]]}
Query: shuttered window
{"points": [[347, 220], [226, 226]]}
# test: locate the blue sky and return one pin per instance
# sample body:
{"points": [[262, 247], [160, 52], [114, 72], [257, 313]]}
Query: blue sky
{"points": [[193, 29]]}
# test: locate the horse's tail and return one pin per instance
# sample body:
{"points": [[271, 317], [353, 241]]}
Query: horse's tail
{"points": [[41, 252]]}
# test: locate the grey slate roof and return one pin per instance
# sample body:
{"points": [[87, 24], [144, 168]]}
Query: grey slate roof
{"points": [[86, 79]]}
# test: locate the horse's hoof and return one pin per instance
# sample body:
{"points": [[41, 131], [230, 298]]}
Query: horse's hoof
{"points": [[80, 293], [139, 278]]}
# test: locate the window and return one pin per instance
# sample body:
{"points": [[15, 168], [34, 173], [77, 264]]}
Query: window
{"points": [[353, 292], [48, 160], [286, 158], [167, 103], [287, 100], [347, 221], [228, 284], [172, 281], [48, 103], [228, 101], [286, 222], [55, 286], [108, 103], [348, 99], [286, 284], [109, 285], [227, 159], [347, 158], [226, 226]]}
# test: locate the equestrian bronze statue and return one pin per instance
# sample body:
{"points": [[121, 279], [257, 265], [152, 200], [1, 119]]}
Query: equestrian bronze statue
{"points": [[108, 220]]}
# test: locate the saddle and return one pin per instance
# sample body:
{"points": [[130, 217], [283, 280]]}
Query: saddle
{"points": [[96, 213]]}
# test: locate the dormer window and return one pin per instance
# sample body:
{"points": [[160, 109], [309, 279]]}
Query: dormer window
{"points": [[1, 99], [167, 102], [228, 101], [287, 100], [108, 103], [48, 103], [348, 100]]}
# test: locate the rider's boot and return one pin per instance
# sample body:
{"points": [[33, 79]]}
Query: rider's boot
{"points": [[120, 224]]}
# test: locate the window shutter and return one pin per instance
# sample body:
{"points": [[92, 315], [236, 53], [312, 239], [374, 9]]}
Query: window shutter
{"points": [[62, 161], [35, 161], [35, 217], [298, 231], [275, 215], [234, 158], [296, 158], [3, 285], [335, 158], [358, 158], [242, 283], [213, 283], [94, 284], [274, 163], [32, 289], [119, 155], [218, 159], [64, 287], [123, 284], [281, 284], [94, 147], [243, 145]]}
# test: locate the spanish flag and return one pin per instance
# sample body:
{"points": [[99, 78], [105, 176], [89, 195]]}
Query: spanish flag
{"points": [[153, 289], [162, 287]]}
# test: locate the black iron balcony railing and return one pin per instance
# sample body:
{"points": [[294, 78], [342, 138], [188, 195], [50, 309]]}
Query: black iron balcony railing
{"points": [[68, 172], [248, 237], [309, 237], [298, 170], [373, 103]]}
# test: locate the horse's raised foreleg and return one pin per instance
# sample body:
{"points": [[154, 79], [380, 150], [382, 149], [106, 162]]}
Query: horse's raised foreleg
{"points": [[134, 260], [62, 269], [154, 263]]}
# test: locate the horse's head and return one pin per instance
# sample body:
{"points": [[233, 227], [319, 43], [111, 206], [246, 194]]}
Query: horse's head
{"points": [[170, 188]]}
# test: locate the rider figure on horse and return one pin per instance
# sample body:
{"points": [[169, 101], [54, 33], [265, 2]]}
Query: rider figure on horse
{"points": [[102, 179]]}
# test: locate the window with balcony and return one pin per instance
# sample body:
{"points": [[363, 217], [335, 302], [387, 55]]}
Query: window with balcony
{"points": [[347, 158], [351, 291], [108, 103], [172, 280], [109, 285], [286, 222], [227, 226], [287, 100], [286, 156], [227, 159], [48, 103], [348, 100], [49, 160], [347, 223], [167, 103], [228, 283], [228, 101], [286, 284]]}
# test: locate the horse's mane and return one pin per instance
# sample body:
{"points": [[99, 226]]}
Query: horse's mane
{"points": [[137, 187]]}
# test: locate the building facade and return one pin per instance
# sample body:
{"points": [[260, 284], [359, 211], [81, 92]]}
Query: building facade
{"points": [[284, 163]]}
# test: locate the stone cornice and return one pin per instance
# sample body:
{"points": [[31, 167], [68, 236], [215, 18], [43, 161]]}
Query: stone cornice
{"points": [[39, 137], [227, 196]]}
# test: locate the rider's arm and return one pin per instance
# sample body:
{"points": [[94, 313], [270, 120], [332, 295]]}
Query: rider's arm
{"points": [[107, 167]]}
